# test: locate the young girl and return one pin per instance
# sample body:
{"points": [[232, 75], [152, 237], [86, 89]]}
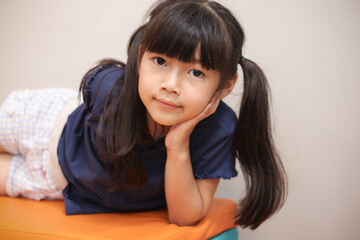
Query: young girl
{"points": [[151, 133]]}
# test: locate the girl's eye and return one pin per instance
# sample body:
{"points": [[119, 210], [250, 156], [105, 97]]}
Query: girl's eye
{"points": [[196, 73], [159, 61]]}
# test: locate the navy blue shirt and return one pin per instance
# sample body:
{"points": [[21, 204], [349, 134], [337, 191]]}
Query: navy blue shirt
{"points": [[89, 183]]}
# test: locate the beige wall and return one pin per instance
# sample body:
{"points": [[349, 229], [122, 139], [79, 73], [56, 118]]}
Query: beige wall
{"points": [[310, 51]]}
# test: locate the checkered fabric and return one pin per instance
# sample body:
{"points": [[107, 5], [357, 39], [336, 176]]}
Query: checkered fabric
{"points": [[27, 118]]}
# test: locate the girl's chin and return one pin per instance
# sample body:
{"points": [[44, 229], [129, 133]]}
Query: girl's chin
{"points": [[165, 122], [160, 120]]}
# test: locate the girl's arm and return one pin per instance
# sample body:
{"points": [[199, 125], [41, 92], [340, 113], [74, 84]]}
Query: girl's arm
{"points": [[188, 199]]}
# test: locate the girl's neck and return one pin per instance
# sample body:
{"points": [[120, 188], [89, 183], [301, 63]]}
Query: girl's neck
{"points": [[156, 130]]}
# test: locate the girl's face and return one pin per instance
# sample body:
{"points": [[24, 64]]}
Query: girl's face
{"points": [[174, 91]]}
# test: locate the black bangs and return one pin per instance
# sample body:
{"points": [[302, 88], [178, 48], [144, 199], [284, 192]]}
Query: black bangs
{"points": [[177, 33]]}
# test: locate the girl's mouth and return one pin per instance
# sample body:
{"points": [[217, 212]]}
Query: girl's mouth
{"points": [[166, 104]]}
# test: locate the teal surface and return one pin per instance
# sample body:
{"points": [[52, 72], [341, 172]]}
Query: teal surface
{"points": [[231, 234]]}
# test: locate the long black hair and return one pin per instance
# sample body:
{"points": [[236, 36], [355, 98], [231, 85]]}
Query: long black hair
{"points": [[176, 28]]}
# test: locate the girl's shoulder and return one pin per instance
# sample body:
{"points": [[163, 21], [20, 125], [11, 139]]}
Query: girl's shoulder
{"points": [[224, 119], [216, 127], [99, 81], [95, 76]]}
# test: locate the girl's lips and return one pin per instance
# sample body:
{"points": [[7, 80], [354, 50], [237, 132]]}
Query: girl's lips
{"points": [[166, 104]]}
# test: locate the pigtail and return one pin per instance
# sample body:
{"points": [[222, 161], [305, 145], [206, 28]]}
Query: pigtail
{"points": [[263, 171]]}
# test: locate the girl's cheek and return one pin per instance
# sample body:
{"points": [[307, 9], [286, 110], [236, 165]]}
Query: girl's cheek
{"points": [[198, 102]]}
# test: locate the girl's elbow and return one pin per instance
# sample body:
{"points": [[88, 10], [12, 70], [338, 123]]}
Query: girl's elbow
{"points": [[183, 221]]}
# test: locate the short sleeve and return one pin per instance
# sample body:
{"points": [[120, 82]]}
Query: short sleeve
{"points": [[211, 145], [97, 84], [96, 88]]}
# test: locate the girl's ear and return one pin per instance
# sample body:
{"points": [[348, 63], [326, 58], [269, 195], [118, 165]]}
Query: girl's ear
{"points": [[228, 87]]}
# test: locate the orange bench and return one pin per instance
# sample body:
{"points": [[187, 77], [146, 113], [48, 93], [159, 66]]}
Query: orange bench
{"points": [[28, 219]]}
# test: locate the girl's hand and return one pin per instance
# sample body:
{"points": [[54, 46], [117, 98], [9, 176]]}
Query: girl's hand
{"points": [[177, 139]]}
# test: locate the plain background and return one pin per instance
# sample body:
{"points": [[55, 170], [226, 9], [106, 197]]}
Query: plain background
{"points": [[309, 49]]}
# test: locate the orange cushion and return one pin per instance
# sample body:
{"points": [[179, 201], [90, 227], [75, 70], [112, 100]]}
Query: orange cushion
{"points": [[28, 219]]}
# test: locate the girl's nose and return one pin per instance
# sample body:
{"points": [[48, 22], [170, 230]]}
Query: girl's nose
{"points": [[171, 82]]}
